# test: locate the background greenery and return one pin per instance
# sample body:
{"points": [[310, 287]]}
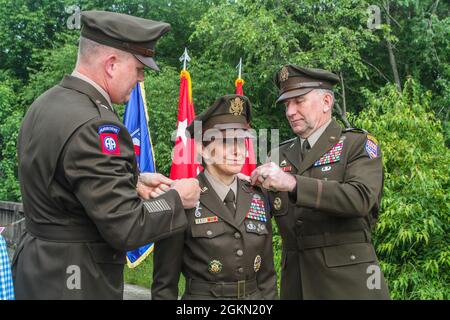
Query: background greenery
{"points": [[394, 83]]}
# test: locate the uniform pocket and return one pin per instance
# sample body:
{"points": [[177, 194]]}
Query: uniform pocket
{"points": [[208, 230], [104, 253], [349, 254], [332, 171]]}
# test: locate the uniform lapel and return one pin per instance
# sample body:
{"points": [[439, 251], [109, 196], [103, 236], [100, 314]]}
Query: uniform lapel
{"points": [[243, 201], [326, 141], [292, 153], [74, 83], [210, 200]]}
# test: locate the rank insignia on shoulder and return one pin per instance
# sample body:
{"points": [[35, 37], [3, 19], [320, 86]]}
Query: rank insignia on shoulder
{"points": [[206, 220], [332, 156], [371, 147], [109, 139]]}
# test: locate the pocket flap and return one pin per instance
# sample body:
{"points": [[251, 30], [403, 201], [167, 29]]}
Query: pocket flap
{"points": [[208, 230], [104, 253], [349, 254]]}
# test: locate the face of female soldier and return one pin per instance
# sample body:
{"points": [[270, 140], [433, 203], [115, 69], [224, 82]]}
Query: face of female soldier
{"points": [[225, 154]]}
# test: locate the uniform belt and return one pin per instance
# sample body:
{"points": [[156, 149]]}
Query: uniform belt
{"points": [[238, 290], [327, 239], [70, 233]]}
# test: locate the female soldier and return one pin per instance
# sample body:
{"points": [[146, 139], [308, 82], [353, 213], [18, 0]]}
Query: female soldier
{"points": [[226, 251]]}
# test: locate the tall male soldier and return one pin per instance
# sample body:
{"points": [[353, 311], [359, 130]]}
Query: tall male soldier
{"points": [[78, 173], [328, 185]]}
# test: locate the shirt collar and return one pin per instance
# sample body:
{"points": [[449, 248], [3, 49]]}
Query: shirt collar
{"points": [[312, 139], [219, 187], [93, 83]]}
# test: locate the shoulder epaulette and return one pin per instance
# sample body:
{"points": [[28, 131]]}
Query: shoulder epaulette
{"points": [[355, 130]]}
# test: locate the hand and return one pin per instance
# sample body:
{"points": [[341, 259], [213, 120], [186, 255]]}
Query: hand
{"points": [[271, 177], [243, 177], [152, 185], [189, 191]]}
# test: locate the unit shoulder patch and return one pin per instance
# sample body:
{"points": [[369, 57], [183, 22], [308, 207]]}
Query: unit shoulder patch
{"points": [[372, 147], [109, 138]]}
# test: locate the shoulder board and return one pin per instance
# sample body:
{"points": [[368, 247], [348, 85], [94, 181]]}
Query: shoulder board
{"points": [[287, 141], [358, 130]]}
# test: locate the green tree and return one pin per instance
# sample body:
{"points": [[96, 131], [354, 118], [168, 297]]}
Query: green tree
{"points": [[412, 234]]}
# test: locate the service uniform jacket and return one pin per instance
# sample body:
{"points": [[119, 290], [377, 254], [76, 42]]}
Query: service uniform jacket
{"points": [[78, 176], [220, 256], [325, 223]]}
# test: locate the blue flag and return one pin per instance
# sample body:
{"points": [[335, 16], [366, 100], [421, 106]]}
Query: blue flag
{"points": [[135, 120]]}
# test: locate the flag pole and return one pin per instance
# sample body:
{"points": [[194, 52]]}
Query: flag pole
{"points": [[240, 68]]}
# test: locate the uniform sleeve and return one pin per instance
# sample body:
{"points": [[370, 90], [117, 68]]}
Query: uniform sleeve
{"points": [[357, 196], [266, 276], [98, 165], [167, 262]]}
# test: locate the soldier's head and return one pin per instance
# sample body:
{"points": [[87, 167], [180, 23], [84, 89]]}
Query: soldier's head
{"points": [[115, 48], [308, 97], [221, 131]]}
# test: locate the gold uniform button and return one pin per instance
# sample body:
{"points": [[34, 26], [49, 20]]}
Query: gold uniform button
{"points": [[352, 257], [237, 235], [240, 253], [241, 270], [209, 233]]}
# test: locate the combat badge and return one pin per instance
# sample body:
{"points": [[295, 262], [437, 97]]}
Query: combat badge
{"points": [[257, 263], [109, 139], [215, 266]]}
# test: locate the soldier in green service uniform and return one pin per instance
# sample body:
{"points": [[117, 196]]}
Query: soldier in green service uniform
{"points": [[226, 251], [78, 174], [326, 190]]}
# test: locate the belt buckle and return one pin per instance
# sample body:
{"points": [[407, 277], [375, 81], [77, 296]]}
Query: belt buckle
{"points": [[241, 288]]}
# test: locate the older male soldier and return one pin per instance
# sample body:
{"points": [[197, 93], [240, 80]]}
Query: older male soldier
{"points": [[78, 174], [327, 188]]}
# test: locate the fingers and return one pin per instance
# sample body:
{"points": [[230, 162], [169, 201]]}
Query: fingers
{"points": [[154, 179]]}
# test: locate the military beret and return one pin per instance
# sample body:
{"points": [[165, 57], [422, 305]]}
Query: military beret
{"points": [[132, 34], [231, 111], [293, 81]]}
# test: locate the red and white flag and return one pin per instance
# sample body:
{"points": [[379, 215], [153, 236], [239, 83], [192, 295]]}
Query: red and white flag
{"points": [[184, 162]]}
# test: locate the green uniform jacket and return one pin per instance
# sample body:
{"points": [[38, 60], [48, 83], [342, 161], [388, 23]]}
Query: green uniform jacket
{"points": [[78, 176], [218, 253], [326, 222]]}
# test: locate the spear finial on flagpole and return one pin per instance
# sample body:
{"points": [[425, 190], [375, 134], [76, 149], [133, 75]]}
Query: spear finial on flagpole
{"points": [[240, 68], [185, 58]]}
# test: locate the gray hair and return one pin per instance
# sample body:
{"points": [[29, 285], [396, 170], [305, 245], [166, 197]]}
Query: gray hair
{"points": [[327, 91]]}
